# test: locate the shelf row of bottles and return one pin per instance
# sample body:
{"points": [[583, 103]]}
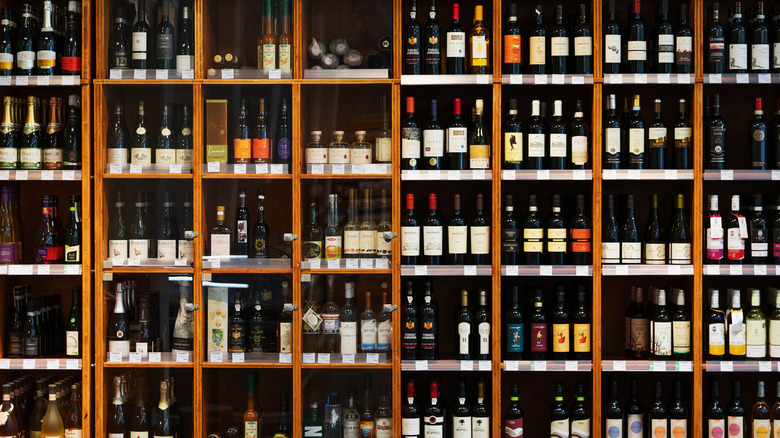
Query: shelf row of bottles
{"points": [[51, 408], [732, 417], [736, 333], [659, 420], [747, 236], [124, 421], [662, 329]]}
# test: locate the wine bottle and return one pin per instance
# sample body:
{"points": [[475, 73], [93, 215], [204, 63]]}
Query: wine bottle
{"points": [[479, 234], [653, 239], [657, 138], [25, 42], [736, 232], [163, 427], [384, 248], [715, 43], [141, 38], [457, 139], [610, 241], [774, 331], [118, 142], [163, 47], [46, 55], [715, 137], [536, 148], [678, 412], [251, 416], [313, 235], [613, 413], [12, 425], [636, 136], [657, 413], [559, 44], [348, 322], [434, 414], [533, 234], [410, 138], [433, 141], [761, 419], [463, 327], [683, 41], [479, 141], [635, 423], [410, 234], [258, 149], [513, 139], [479, 45], [581, 328], [580, 235], [515, 328], [429, 325], [775, 132], [578, 134], [537, 46], [556, 131], [6, 44], [410, 331], [664, 41], [513, 59], [237, 328], [412, 46], [384, 330], [679, 241], [630, 243], [482, 323], [714, 233], [185, 45], [662, 329], [368, 335], [612, 42], [432, 43], [759, 39], [456, 44], [737, 332], [513, 419], [30, 151], [583, 43], [410, 414], [538, 334], [556, 234], [737, 41], [561, 327], [509, 233], [367, 229], [735, 411], [559, 416], [713, 411], [637, 45], [261, 232], [220, 236], [715, 326], [757, 133], [681, 328], [461, 413], [758, 232], [683, 137], [457, 235], [755, 328]]}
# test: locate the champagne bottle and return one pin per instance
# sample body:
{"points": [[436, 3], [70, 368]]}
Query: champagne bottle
{"points": [[118, 333], [30, 151]]}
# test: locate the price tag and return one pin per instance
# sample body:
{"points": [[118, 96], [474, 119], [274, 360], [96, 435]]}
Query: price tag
{"points": [[182, 356], [743, 78], [72, 364], [68, 80], [114, 73], [683, 78], [261, 168], [570, 365], [113, 356], [47, 175], [44, 270], [434, 175], [3, 270], [621, 270], [609, 174], [215, 357], [347, 358], [114, 168], [759, 270], [135, 357], [619, 365], [227, 73], [421, 365], [357, 169], [52, 364], [485, 365], [616, 79], [135, 168], [539, 365], [421, 270], [237, 357], [29, 364], [478, 174], [483, 79], [20, 270], [180, 262], [470, 270], [578, 80], [5, 364], [315, 263], [543, 175], [674, 269], [775, 175], [161, 74], [670, 174], [372, 358], [5, 80], [665, 78], [466, 365], [726, 175], [685, 366], [155, 357], [540, 79], [22, 175], [72, 270], [515, 79], [657, 365], [22, 80], [716, 78], [735, 269], [508, 175], [174, 168], [582, 271], [366, 264], [139, 74], [277, 169], [634, 174], [239, 169], [382, 264], [333, 263], [545, 270], [764, 78], [352, 263], [765, 366], [216, 264], [133, 262], [640, 78], [275, 73], [713, 269], [337, 169], [68, 175], [412, 174], [5, 175], [317, 169], [512, 270], [557, 79], [285, 357], [510, 365], [453, 175], [578, 175], [727, 366], [212, 167], [188, 74], [308, 357]]}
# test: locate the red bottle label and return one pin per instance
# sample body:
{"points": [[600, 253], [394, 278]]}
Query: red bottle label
{"points": [[538, 337], [71, 63], [580, 240], [9, 252]]}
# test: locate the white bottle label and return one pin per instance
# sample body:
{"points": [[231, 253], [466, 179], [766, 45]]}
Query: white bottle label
{"points": [[338, 155], [385, 335], [457, 140], [461, 427], [756, 338], [456, 44], [637, 50], [348, 337], [579, 149], [614, 428], [433, 143], [557, 145], [139, 45], [662, 339], [679, 428], [681, 337], [410, 241], [410, 148], [480, 240], [464, 330], [352, 243], [655, 253], [457, 239], [635, 426], [559, 46], [636, 140], [484, 337], [631, 252], [736, 427], [316, 156], [330, 323], [774, 340], [479, 47], [186, 250], [583, 46], [480, 427], [433, 240], [71, 343], [116, 156], [367, 240], [368, 335], [410, 426], [220, 244], [776, 58], [580, 428], [117, 249], [384, 149], [166, 250], [716, 429], [537, 50], [738, 56], [610, 252], [141, 156], [559, 428], [139, 249], [612, 48], [665, 49], [360, 156], [680, 253], [535, 145], [760, 59], [285, 337]]}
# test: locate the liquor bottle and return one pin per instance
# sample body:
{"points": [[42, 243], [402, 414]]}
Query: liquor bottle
{"points": [[333, 232], [118, 333], [735, 411], [664, 41], [637, 45], [479, 234], [347, 323], [757, 133], [410, 138], [635, 422], [653, 240], [252, 426], [165, 154], [559, 416], [25, 43], [141, 150], [715, 137], [163, 47], [351, 231], [163, 427], [410, 234], [412, 43], [681, 328], [429, 326], [256, 329], [513, 419], [312, 425], [636, 136], [533, 234], [242, 145], [662, 329], [761, 422], [580, 235], [266, 43], [559, 44], [457, 235], [735, 324], [755, 328], [578, 135], [11, 425], [683, 138], [283, 427], [630, 243], [613, 413], [410, 332], [186, 250], [463, 327], [513, 139], [260, 143], [612, 42], [759, 39], [736, 233], [350, 423], [185, 45], [610, 242], [510, 245], [117, 230], [410, 413], [30, 151], [715, 43], [683, 42], [368, 328], [479, 45], [313, 235], [118, 142], [434, 414], [479, 141], [330, 320], [536, 148], [657, 414], [141, 39], [432, 43], [561, 327], [537, 47], [361, 151], [758, 232], [51, 423], [457, 139], [433, 141], [461, 413], [715, 326], [679, 241], [221, 236], [384, 248], [774, 330], [383, 418], [538, 335], [73, 232], [737, 41], [261, 232], [384, 331], [556, 131], [713, 411], [433, 234], [657, 138], [513, 43], [237, 329]]}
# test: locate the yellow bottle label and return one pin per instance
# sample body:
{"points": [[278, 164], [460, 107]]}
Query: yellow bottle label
{"points": [[561, 338], [581, 338], [513, 147]]}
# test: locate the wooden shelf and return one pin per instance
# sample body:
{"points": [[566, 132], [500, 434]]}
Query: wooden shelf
{"points": [[40, 175], [446, 175], [446, 271], [648, 78], [667, 174], [447, 365], [638, 269], [547, 79], [647, 365]]}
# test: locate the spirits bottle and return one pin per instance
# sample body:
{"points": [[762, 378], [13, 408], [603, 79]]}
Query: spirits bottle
{"points": [[220, 236], [260, 143], [266, 44], [368, 328], [252, 424], [348, 322], [313, 235], [367, 229], [330, 320], [242, 145]]}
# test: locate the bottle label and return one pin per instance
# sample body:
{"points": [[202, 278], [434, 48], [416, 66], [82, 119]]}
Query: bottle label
{"points": [[515, 338], [139, 45], [684, 52], [483, 329], [121, 347], [120, 59], [716, 137], [330, 323], [532, 240], [30, 158], [410, 142], [610, 252], [556, 240], [513, 428], [52, 158], [557, 145], [8, 156], [756, 338], [312, 250], [480, 427], [164, 157], [774, 339], [6, 61], [683, 137], [659, 427], [383, 247], [640, 334], [539, 337], [436, 430], [457, 140], [25, 60], [559, 46], [348, 337], [117, 249], [681, 337], [536, 145], [662, 338], [410, 241], [583, 46], [580, 428], [316, 155], [612, 48], [464, 331], [655, 253], [339, 155], [480, 240], [537, 50], [579, 150], [220, 244], [561, 342], [736, 426], [657, 137], [737, 339], [76, 433], [716, 428], [631, 252], [636, 141], [410, 426], [479, 51], [736, 244], [509, 241], [760, 59], [352, 243], [138, 249], [559, 428], [457, 239], [164, 47], [186, 251], [614, 428], [433, 240], [581, 338], [385, 335], [72, 253], [762, 428], [9, 252], [637, 50], [714, 244], [116, 156], [285, 337], [717, 339], [461, 427], [384, 149], [250, 429], [479, 156], [185, 62], [332, 247], [267, 56], [513, 147], [357, 155], [680, 253], [759, 246], [242, 149], [665, 49], [513, 52], [142, 156], [738, 56], [456, 45], [636, 426]]}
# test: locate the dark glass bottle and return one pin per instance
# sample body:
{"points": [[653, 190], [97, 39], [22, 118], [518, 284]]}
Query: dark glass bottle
{"points": [[775, 141], [513, 419], [556, 234], [429, 326], [713, 411], [142, 37], [6, 44], [635, 421], [256, 327], [242, 225], [433, 234], [613, 150], [432, 43], [433, 140], [411, 134], [653, 241], [533, 234], [657, 139], [510, 242], [679, 250], [434, 414], [557, 138], [559, 44], [559, 415], [185, 45], [757, 134], [163, 47], [537, 45], [681, 328], [759, 40], [580, 235], [513, 139], [664, 41], [237, 329], [583, 43], [683, 139], [46, 56], [512, 62], [515, 328], [613, 413], [410, 234], [657, 414], [456, 44], [683, 57], [758, 232], [636, 136], [461, 412], [535, 149], [410, 328], [457, 235], [539, 342], [261, 232], [612, 42], [412, 46], [463, 327], [25, 43], [479, 234], [481, 348], [581, 327], [715, 43], [71, 148], [313, 235], [561, 327], [735, 411], [737, 43], [715, 137], [283, 137], [637, 45], [457, 139], [410, 414], [630, 243], [73, 232], [578, 139]]}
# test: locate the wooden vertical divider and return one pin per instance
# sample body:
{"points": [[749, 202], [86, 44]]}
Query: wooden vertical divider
{"points": [[296, 397], [596, 310], [199, 353], [397, 389], [496, 297], [698, 296], [86, 257], [298, 43], [99, 318]]}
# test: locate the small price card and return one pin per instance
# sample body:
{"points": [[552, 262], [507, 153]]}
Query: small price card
{"points": [[673, 269], [22, 175], [634, 174], [114, 73], [466, 365], [570, 365], [68, 80], [366, 264], [713, 269], [657, 365], [670, 174], [133, 262], [421, 270], [188, 74], [308, 357], [743, 78], [285, 357], [44, 270], [212, 167], [183, 356], [47, 175], [665, 78], [337, 169], [485, 365], [261, 168], [22, 80], [764, 78], [512, 270], [113, 356], [382, 264], [72, 364], [237, 357], [558, 79], [174, 168], [317, 169], [239, 169], [348, 358], [543, 175], [540, 79], [621, 270], [478, 174], [683, 78], [470, 270], [507, 175], [135, 168], [52, 364], [352, 263], [372, 358], [539, 365], [421, 365], [727, 175], [215, 357], [275, 73], [510, 365], [578, 80], [727, 366], [333, 263], [434, 175], [139, 74], [640, 78], [759, 270], [609, 174], [686, 366], [5, 364], [578, 175], [582, 271], [545, 270], [161, 74], [735, 269], [135, 357], [29, 364], [155, 357], [765, 366], [619, 365]]}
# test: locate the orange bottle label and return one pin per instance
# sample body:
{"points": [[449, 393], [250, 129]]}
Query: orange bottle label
{"points": [[513, 49], [261, 148], [242, 148]]}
